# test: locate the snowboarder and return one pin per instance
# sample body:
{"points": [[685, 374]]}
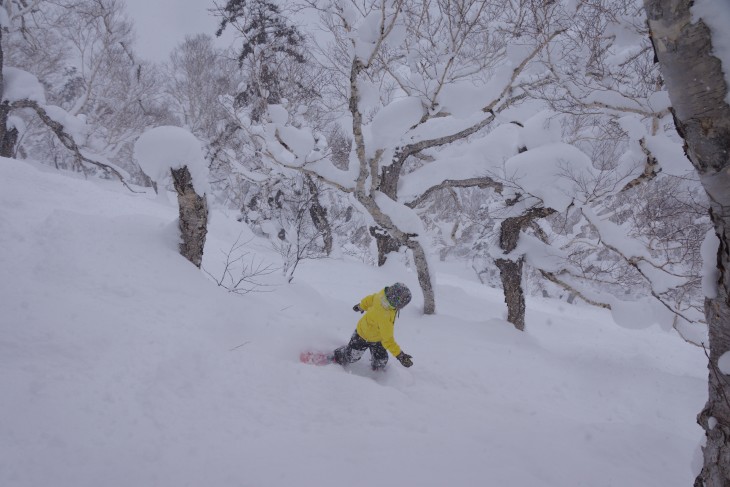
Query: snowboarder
{"points": [[375, 329]]}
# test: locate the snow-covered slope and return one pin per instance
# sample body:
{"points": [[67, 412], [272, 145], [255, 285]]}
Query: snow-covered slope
{"points": [[121, 364]]}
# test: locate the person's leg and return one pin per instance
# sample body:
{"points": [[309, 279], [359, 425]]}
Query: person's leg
{"points": [[378, 356], [352, 351]]}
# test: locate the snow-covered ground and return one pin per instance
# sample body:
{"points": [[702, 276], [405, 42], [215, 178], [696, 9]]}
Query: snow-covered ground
{"points": [[121, 364]]}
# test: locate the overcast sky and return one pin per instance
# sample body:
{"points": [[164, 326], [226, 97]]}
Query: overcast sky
{"points": [[163, 24]]}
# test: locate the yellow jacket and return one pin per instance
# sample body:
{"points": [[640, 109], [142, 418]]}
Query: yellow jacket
{"points": [[377, 323]]}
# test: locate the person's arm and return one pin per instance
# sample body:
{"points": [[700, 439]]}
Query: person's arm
{"points": [[366, 302], [388, 340]]}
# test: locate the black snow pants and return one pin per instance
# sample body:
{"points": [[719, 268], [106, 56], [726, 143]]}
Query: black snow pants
{"points": [[356, 347]]}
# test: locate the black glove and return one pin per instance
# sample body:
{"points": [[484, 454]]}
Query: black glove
{"points": [[358, 308], [404, 359]]}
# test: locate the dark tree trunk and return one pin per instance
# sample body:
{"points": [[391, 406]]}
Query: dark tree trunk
{"points": [[193, 216], [385, 243], [8, 137], [389, 176], [510, 271], [318, 213], [697, 89]]}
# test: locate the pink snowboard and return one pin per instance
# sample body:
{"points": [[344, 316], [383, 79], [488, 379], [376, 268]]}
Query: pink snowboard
{"points": [[316, 358]]}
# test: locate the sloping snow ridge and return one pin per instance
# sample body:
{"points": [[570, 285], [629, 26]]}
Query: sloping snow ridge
{"points": [[121, 364]]}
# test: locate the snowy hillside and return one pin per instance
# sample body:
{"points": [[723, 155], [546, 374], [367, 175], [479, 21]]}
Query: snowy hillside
{"points": [[121, 364]]}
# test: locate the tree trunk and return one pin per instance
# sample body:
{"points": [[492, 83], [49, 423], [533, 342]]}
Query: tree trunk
{"points": [[389, 176], [385, 243], [510, 271], [424, 276], [697, 89], [8, 136], [401, 238], [318, 213], [368, 167], [193, 216]]}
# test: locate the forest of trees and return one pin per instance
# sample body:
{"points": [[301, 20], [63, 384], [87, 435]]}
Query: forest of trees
{"points": [[535, 140]]}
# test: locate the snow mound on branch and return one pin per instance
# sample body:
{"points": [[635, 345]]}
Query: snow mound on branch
{"points": [[406, 219], [539, 254], [167, 147], [75, 126], [480, 158], [300, 142], [541, 129], [710, 273], [367, 30], [550, 173], [632, 314], [278, 114], [21, 85], [394, 120]]}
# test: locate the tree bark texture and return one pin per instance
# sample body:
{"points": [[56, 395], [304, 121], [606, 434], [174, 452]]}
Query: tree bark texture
{"points": [[424, 276], [193, 216], [318, 213], [385, 243], [8, 137], [697, 89], [510, 271]]}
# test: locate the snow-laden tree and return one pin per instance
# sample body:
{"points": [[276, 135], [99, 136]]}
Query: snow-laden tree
{"points": [[23, 95], [172, 153], [691, 45], [116, 93], [197, 75], [605, 98], [271, 54], [274, 69], [431, 89], [407, 79]]}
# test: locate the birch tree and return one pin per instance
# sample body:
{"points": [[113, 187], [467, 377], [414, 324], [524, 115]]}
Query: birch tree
{"points": [[169, 153], [693, 60]]}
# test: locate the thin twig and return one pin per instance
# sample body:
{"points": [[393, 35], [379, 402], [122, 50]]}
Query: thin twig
{"points": [[239, 346]]}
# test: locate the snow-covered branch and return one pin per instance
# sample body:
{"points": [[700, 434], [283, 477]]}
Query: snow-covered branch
{"points": [[67, 140], [482, 182]]}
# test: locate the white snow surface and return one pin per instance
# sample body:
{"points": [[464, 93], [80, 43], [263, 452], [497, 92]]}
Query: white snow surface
{"points": [[168, 147], [121, 364]]}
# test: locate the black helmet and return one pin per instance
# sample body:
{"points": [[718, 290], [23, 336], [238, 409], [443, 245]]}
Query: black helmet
{"points": [[398, 295]]}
